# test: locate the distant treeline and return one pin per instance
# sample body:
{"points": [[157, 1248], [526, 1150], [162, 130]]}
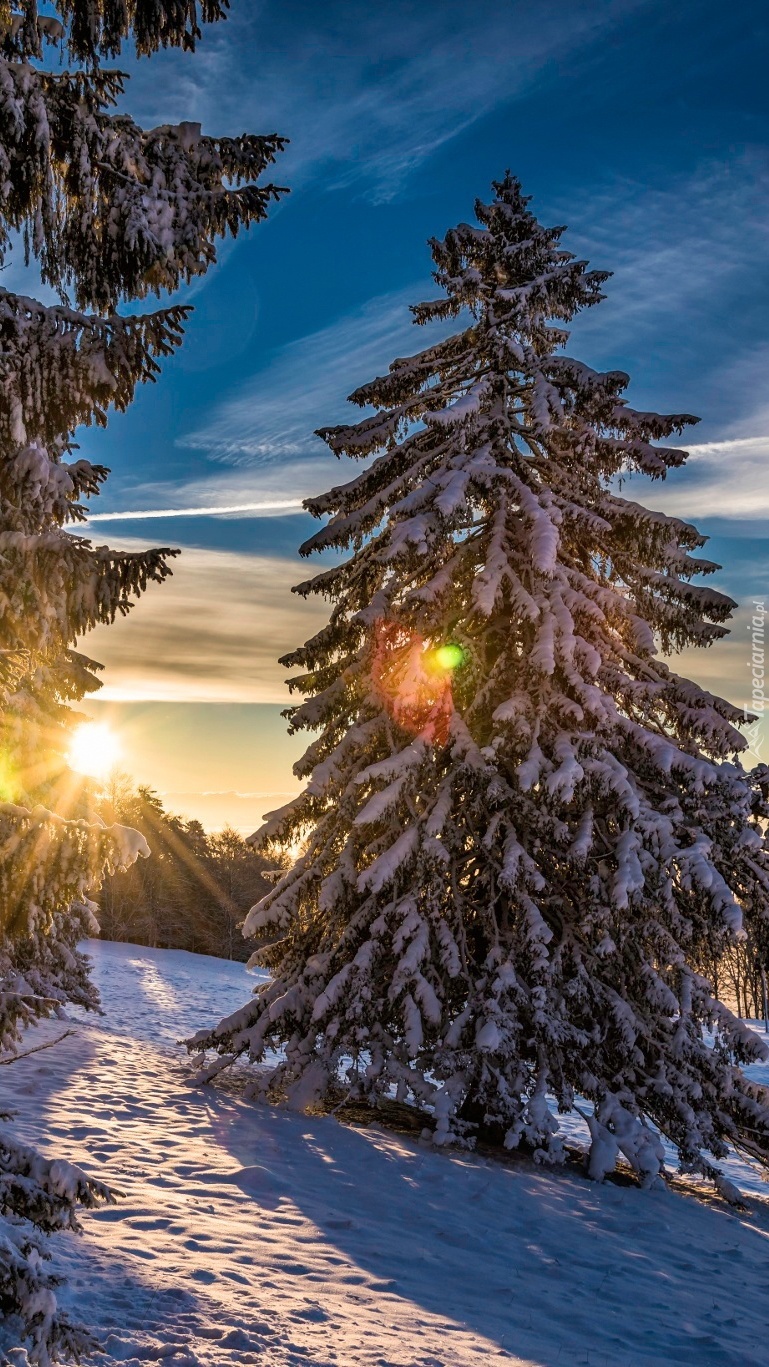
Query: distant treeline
{"points": [[194, 891], [738, 975]]}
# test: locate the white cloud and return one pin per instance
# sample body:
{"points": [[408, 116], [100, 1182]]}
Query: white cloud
{"points": [[726, 479], [212, 633]]}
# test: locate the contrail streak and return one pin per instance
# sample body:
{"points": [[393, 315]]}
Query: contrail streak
{"points": [[732, 444], [275, 505], [295, 505]]}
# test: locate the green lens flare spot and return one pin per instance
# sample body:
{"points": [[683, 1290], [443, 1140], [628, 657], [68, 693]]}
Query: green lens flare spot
{"points": [[449, 656]]}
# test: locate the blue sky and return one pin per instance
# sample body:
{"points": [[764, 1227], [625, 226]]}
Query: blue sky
{"points": [[643, 126]]}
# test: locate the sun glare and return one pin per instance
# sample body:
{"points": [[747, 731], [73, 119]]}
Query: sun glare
{"points": [[94, 751]]}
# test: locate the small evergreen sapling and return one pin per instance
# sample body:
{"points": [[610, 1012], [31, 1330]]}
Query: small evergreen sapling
{"points": [[520, 825], [111, 212]]}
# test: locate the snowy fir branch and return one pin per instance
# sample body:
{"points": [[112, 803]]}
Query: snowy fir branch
{"points": [[88, 31], [110, 212], [38, 1197], [520, 827], [36, 1049]]}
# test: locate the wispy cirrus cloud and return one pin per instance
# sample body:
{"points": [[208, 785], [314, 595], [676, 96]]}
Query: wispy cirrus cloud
{"points": [[367, 93], [677, 249], [275, 413], [678, 252], [681, 252]]}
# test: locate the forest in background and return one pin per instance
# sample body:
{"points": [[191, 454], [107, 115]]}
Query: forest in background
{"points": [[194, 891]]}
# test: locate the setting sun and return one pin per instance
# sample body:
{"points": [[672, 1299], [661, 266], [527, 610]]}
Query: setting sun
{"points": [[94, 751]]}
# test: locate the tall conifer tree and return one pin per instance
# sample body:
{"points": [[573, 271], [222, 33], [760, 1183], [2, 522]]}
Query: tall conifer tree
{"points": [[520, 825], [111, 212]]}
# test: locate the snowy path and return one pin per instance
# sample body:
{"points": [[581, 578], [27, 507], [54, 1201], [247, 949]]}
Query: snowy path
{"points": [[252, 1235]]}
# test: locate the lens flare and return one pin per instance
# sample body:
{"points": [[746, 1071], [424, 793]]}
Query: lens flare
{"points": [[414, 680], [449, 656], [94, 751]]}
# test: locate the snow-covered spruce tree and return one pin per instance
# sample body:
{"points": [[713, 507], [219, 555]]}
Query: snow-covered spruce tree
{"points": [[111, 213], [520, 824]]}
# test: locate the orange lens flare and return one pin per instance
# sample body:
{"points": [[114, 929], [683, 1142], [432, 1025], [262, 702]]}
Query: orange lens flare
{"points": [[414, 680]]}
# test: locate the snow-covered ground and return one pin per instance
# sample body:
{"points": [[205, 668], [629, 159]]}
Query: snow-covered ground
{"points": [[248, 1234]]}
